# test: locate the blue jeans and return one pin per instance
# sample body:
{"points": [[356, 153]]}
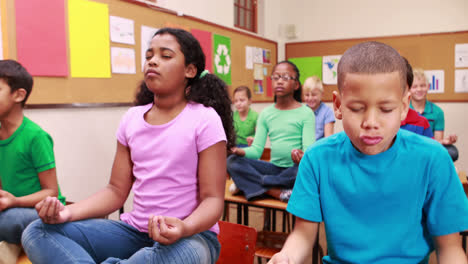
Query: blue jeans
{"points": [[255, 177], [13, 221], [109, 241]]}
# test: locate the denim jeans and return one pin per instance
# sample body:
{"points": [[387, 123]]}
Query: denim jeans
{"points": [[109, 241], [255, 177], [13, 221]]}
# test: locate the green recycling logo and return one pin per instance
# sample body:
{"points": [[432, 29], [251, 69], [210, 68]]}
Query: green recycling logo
{"points": [[222, 67], [222, 57]]}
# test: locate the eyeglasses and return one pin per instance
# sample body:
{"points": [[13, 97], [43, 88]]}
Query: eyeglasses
{"points": [[285, 77]]}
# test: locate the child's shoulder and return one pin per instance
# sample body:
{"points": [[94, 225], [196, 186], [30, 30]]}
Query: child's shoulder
{"points": [[413, 142], [32, 127]]}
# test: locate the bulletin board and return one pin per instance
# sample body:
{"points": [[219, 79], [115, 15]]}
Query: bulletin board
{"points": [[427, 51], [119, 89]]}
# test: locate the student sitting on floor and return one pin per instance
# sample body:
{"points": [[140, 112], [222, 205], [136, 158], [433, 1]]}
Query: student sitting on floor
{"points": [[27, 162]]}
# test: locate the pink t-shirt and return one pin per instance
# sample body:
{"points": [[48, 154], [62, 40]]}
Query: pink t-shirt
{"points": [[165, 161]]}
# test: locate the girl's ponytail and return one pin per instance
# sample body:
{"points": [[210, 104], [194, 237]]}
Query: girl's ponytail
{"points": [[211, 91]]}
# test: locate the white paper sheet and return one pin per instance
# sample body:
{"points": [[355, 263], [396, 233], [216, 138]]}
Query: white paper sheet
{"points": [[122, 30], [461, 55], [146, 36], [461, 81], [123, 60]]}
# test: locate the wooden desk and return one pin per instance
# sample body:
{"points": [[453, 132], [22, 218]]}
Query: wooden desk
{"points": [[270, 204]]}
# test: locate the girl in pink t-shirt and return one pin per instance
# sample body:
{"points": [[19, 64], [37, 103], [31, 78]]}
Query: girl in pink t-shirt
{"points": [[171, 151]]}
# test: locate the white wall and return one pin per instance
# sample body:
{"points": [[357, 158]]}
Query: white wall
{"points": [[85, 138]]}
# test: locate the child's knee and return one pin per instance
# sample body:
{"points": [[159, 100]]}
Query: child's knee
{"points": [[34, 230], [232, 161]]}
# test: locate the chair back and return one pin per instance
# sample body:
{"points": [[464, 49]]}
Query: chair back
{"points": [[237, 243]]}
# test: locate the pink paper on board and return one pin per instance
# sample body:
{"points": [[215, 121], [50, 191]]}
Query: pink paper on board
{"points": [[206, 41], [269, 89], [40, 37]]}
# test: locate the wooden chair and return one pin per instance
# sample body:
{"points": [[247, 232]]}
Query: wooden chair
{"points": [[237, 243]]}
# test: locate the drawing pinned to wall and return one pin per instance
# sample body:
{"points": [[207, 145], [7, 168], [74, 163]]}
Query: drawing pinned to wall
{"points": [[123, 60], [41, 37], [147, 34], [222, 57], [257, 55], [461, 81], [122, 30], [436, 80], [266, 56], [258, 72], [258, 87], [308, 66], [249, 57], [89, 39], [206, 42], [330, 66], [461, 55]]}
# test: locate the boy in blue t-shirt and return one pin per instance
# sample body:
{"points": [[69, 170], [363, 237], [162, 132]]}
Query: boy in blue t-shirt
{"points": [[385, 195]]}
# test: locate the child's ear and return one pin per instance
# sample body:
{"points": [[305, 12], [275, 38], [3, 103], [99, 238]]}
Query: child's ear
{"points": [[337, 105], [190, 71], [405, 104], [19, 95]]}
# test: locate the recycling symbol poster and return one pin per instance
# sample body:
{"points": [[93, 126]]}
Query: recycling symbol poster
{"points": [[222, 57]]}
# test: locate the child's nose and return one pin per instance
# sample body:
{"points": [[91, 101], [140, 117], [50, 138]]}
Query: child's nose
{"points": [[370, 120]]}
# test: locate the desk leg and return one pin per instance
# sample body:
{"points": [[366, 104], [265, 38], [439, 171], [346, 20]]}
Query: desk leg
{"points": [[273, 214], [246, 215], [239, 213]]}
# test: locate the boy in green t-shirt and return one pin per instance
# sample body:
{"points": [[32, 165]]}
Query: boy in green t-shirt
{"points": [[27, 163], [245, 119]]}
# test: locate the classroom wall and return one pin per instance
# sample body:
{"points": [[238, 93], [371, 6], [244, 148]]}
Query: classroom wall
{"points": [[326, 20], [85, 138]]}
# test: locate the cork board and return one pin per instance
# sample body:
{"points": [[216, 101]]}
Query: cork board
{"points": [[120, 88], [427, 51]]}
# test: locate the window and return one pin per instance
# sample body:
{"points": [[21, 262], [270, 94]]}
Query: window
{"points": [[245, 14]]}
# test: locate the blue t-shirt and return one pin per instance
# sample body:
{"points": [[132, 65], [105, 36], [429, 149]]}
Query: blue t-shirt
{"points": [[380, 208], [323, 115]]}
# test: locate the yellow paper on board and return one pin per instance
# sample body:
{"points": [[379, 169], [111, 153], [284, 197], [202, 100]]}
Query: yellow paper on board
{"points": [[3, 32], [89, 39]]}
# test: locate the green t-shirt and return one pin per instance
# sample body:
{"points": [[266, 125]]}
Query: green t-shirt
{"points": [[287, 129], [433, 114], [246, 128], [28, 151]]}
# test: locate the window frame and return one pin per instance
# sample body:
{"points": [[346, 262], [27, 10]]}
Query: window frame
{"points": [[252, 10]]}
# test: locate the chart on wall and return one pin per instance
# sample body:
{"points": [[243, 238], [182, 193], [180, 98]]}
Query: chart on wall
{"points": [[330, 69]]}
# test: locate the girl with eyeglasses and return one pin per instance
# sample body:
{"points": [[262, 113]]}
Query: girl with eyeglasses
{"points": [[290, 126]]}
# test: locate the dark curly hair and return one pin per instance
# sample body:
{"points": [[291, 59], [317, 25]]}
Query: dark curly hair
{"points": [[209, 90]]}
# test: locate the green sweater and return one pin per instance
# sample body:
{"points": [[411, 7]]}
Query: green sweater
{"points": [[287, 129], [245, 128]]}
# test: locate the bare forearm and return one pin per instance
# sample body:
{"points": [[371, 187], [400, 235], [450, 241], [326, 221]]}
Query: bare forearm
{"points": [[298, 247], [32, 199], [99, 204], [205, 216], [454, 255]]}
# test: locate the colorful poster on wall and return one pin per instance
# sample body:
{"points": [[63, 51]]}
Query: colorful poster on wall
{"points": [[40, 37], [222, 57], [330, 69], [123, 60], [436, 81], [266, 56], [122, 30], [258, 87], [206, 41], [308, 66], [147, 34], [89, 39]]}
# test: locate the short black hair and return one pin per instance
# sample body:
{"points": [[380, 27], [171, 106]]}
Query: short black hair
{"points": [[409, 73], [16, 76], [371, 58]]}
